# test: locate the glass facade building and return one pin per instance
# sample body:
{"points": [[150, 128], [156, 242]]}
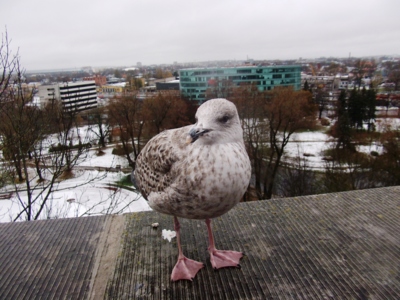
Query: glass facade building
{"points": [[195, 82]]}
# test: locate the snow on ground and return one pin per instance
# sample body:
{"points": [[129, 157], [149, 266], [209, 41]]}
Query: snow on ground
{"points": [[308, 145], [74, 198], [383, 124], [108, 160]]}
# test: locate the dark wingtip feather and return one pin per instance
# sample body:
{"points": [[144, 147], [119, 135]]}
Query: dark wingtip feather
{"points": [[133, 180]]}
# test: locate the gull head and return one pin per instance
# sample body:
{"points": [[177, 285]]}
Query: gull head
{"points": [[217, 121]]}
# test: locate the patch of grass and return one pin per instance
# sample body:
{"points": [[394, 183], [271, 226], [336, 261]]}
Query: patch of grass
{"points": [[344, 155], [120, 151], [67, 175], [100, 153], [125, 180], [364, 137]]}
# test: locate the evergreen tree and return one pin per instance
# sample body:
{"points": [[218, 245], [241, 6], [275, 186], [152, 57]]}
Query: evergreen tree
{"points": [[342, 128], [361, 107], [370, 107], [356, 109], [306, 86]]}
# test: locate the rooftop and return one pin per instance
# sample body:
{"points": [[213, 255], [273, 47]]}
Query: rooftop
{"points": [[241, 67], [332, 246]]}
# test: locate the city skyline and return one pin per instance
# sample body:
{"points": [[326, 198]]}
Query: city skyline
{"points": [[100, 34]]}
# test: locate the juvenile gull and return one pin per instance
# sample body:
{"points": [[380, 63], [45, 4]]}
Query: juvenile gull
{"points": [[199, 171]]}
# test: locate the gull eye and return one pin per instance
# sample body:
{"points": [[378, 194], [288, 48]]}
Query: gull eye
{"points": [[224, 119]]}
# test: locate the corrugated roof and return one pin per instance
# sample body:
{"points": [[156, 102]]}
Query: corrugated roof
{"points": [[333, 246], [48, 259]]}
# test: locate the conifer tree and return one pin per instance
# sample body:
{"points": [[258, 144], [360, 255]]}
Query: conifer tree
{"points": [[356, 109], [370, 107], [306, 86], [342, 128]]}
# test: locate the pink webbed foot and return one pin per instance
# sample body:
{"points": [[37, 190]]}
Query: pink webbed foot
{"points": [[221, 258], [224, 258], [185, 268]]}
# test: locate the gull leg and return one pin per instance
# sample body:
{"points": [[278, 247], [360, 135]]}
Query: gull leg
{"points": [[221, 258], [185, 268]]}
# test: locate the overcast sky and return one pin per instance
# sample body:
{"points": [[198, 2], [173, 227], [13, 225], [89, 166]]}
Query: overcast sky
{"points": [[53, 34]]}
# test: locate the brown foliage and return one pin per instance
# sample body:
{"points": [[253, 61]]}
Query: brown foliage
{"points": [[268, 120], [125, 114], [289, 110], [136, 121], [388, 166], [164, 111]]}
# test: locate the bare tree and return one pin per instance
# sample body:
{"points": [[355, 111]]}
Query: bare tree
{"points": [[26, 131], [269, 119], [165, 110], [250, 103], [32, 131], [296, 178], [394, 76], [100, 125], [126, 116], [286, 112], [321, 99], [40, 150], [387, 165], [8, 64], [347, 170]]}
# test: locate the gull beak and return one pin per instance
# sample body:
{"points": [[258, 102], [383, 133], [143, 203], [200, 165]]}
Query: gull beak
{"points": [[195, 133]]}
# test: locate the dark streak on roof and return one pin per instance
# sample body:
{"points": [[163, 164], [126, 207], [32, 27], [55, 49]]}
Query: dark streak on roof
{"points": [[332, 246]]}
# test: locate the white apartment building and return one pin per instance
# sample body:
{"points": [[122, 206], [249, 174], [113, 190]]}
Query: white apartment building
{"points": [[75, 96]]}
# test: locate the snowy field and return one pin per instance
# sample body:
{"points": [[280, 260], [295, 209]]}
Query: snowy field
{"points": [[311, 145], [76, 197], [72, 199], [307, 145]]}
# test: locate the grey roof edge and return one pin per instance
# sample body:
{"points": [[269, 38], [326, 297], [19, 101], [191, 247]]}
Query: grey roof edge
{"points": [[106, 255]]}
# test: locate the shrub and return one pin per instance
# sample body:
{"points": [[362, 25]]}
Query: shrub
{"points": [[374, 153], [120, 150], [325, 122], [125, 180]]}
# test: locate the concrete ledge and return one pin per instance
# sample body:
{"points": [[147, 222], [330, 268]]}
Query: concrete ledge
{"points": [[333, 246]]}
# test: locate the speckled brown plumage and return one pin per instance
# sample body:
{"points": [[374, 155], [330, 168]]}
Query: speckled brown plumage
{"points": [[198, 180]]}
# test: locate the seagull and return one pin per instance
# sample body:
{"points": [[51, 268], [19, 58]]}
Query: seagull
{"points": [[199, 171]]}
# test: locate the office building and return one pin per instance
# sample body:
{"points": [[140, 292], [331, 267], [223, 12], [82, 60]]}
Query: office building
{"points": [[195, 82], [75, 96]]}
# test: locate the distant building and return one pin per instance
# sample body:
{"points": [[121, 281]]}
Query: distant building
{"points": [[342, 82], [170, 85], [75, 96], [329, 83], [98, 79], [115, 88], [195, 82]]}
